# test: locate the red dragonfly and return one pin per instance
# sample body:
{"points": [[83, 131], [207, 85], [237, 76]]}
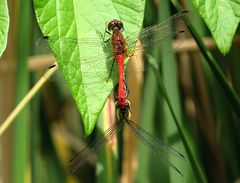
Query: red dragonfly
{"points": [[123, 117], [121, 48], [115, 48], [120, 52]]}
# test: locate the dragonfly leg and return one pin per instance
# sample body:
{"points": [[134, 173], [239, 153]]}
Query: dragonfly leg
{"points": [[105, 41], [103, 36], [108, 32], [106, 28], [126, 88]]}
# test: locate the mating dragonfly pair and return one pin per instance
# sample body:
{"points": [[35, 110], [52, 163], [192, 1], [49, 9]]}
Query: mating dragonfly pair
{"points": [[149, 36]]}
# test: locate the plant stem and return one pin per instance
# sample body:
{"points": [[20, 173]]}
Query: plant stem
{"points": [[27, 98]]}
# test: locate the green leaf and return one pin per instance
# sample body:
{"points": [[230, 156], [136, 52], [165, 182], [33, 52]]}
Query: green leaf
{"points": [[4, 25], [222, 18], [84, 66]]}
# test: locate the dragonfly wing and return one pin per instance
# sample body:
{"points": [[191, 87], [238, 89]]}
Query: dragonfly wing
{"points": [[90, 42], [80, 158], [158, 143], [61, 45], [84, 68], [158, 147], [157, 37], [74, 56], [153, 35]]}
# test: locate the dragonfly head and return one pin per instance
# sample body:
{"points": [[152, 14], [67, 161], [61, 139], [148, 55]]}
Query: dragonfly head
{"points": [[115, 26], [123, 113]]}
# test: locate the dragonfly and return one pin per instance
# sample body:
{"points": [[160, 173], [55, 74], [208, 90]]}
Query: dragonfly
{"points": [[116, 48], [123, 115]]}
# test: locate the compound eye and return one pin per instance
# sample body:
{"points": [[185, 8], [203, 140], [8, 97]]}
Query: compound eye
{"points": [[112, 24], [109, 26], [121, 24]]}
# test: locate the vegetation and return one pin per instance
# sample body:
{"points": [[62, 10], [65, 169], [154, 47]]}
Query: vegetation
{"points": [[188, 98]]}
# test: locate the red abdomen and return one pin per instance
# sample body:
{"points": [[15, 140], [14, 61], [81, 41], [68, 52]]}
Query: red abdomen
{"points": [[122, 95]]}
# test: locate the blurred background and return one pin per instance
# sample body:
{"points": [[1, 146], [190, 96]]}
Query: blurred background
{"points": [[49, 131]]}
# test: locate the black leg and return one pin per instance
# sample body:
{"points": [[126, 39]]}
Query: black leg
{"points": [[103, 37], [108, 32], [105, 41]]}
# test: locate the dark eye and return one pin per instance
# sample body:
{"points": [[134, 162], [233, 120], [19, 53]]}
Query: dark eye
{"points": [[110, 25]]}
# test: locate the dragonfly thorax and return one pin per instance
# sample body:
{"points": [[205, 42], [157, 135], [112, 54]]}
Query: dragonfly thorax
{"points": [[118, 44]]}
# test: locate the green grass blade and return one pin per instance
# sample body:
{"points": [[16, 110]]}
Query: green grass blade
{"points": [[147, 121], [21, 135], [195, 165], [170, 82], [45, 163]]}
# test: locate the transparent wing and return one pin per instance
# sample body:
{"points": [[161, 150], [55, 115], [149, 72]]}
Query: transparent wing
{"points": [[94, 56], [157, 38], [103, 50], [75, 53], [80, 158], [157, 146], [152, 35]]}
